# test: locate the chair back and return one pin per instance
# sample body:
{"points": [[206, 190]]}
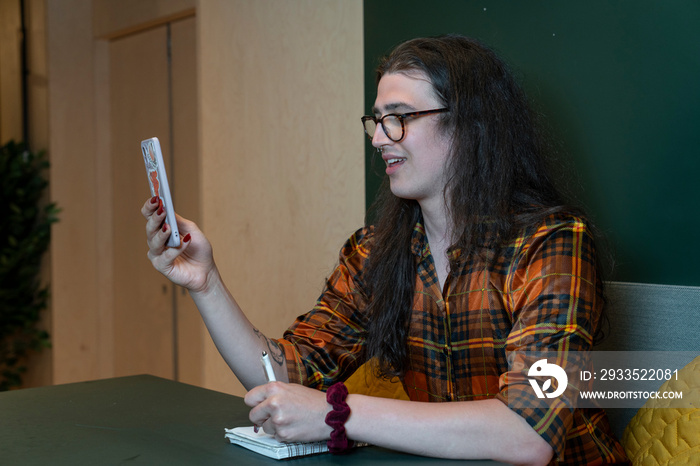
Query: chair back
{"points": [[649, 317]]}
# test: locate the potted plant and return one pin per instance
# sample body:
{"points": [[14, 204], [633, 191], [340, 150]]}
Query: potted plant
{"points": [[25, 231]]}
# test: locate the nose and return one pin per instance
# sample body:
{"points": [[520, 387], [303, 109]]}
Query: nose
{"points": [[380, 138]]}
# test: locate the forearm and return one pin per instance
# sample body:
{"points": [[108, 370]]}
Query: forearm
{"points": [[465, 430], [238, 341]]}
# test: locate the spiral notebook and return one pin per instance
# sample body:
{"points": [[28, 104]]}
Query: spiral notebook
{"points": [[265, 444]]}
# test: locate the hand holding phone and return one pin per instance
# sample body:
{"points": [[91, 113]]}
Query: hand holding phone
{"points": [[158, 181]]}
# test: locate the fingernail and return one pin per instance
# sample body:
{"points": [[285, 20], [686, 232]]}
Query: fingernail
{"points": [[154, 199], [160, 210], [256, 429], [165, 227], [187, 238]]}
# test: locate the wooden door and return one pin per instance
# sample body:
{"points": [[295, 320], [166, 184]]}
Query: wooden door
{"points": [[152, 93]]}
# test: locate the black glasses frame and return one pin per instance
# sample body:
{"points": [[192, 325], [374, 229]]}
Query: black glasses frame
{"points": [[399, 116]]}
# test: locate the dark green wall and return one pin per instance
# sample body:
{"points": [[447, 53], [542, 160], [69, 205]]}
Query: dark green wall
{"points": [[619, 82]]}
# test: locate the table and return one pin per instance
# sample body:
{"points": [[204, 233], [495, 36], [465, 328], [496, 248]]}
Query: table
{"points": [[144, 420]]}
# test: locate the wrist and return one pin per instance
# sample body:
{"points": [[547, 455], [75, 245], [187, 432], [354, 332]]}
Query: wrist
{"points": [[211, 285]]}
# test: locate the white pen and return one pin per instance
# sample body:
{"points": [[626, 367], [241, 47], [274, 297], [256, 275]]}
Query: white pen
{"points": [[267, 367]]}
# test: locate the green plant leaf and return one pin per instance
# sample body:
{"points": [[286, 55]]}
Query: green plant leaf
{"points": [[25, 232]]}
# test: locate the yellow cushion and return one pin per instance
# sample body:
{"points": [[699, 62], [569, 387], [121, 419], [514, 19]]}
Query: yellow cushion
{"points": [[364, 382], [663, 435]]}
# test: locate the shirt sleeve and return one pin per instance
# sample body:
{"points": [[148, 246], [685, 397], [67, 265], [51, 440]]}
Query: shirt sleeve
{"points": [[555, 301], [327, 344]]}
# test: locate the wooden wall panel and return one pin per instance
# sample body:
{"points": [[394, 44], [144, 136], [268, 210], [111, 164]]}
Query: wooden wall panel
{"points": [[40, 364], [190, 328], [10, 72], [72, 125], [142, 311], [37, 81], [282, 151]]}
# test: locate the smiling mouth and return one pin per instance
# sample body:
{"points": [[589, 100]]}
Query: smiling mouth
{"points": [[394, 161]]}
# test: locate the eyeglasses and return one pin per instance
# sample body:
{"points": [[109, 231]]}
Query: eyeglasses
{"points": [[393, 123]]}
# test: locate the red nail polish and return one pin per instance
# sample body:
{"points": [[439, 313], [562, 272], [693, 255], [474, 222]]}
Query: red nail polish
{"points": [[187, 238], [160, 210], [154, 199], [165, 227]]}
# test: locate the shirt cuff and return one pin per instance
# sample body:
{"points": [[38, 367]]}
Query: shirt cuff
{"points": [[551, 420], [295, 367]]}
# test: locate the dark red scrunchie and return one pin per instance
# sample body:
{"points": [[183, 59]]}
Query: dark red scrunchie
{"points": [[335, 396]]}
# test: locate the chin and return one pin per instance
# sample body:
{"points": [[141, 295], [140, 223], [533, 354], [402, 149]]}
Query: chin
{"points": [[403, 194]]}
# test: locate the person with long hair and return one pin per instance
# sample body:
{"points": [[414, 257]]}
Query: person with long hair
{"points": [[474, 259]]}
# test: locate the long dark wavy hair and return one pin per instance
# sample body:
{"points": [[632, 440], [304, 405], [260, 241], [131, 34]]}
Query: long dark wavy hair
{"points": [[497, 171]]}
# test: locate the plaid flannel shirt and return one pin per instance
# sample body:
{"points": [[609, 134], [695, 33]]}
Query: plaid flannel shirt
{"points": [[541, 293]]}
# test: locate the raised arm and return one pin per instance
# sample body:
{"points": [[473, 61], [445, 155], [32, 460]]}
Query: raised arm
{"points": [[192, 266]]}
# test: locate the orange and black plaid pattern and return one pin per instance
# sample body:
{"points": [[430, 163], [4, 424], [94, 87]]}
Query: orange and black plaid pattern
{"points": [[541, 293]]}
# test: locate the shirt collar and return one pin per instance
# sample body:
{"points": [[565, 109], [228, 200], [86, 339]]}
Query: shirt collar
{"points": [[420, 247], [419, 241]]}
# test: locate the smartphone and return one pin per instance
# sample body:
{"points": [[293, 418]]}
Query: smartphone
{"points": [[158, 181]]}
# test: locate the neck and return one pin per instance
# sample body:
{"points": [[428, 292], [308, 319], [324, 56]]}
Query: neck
{"points": [[438, 231], [438, 228]]}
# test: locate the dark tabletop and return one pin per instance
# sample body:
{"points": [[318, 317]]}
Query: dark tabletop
{"points": [[143, 420]]}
